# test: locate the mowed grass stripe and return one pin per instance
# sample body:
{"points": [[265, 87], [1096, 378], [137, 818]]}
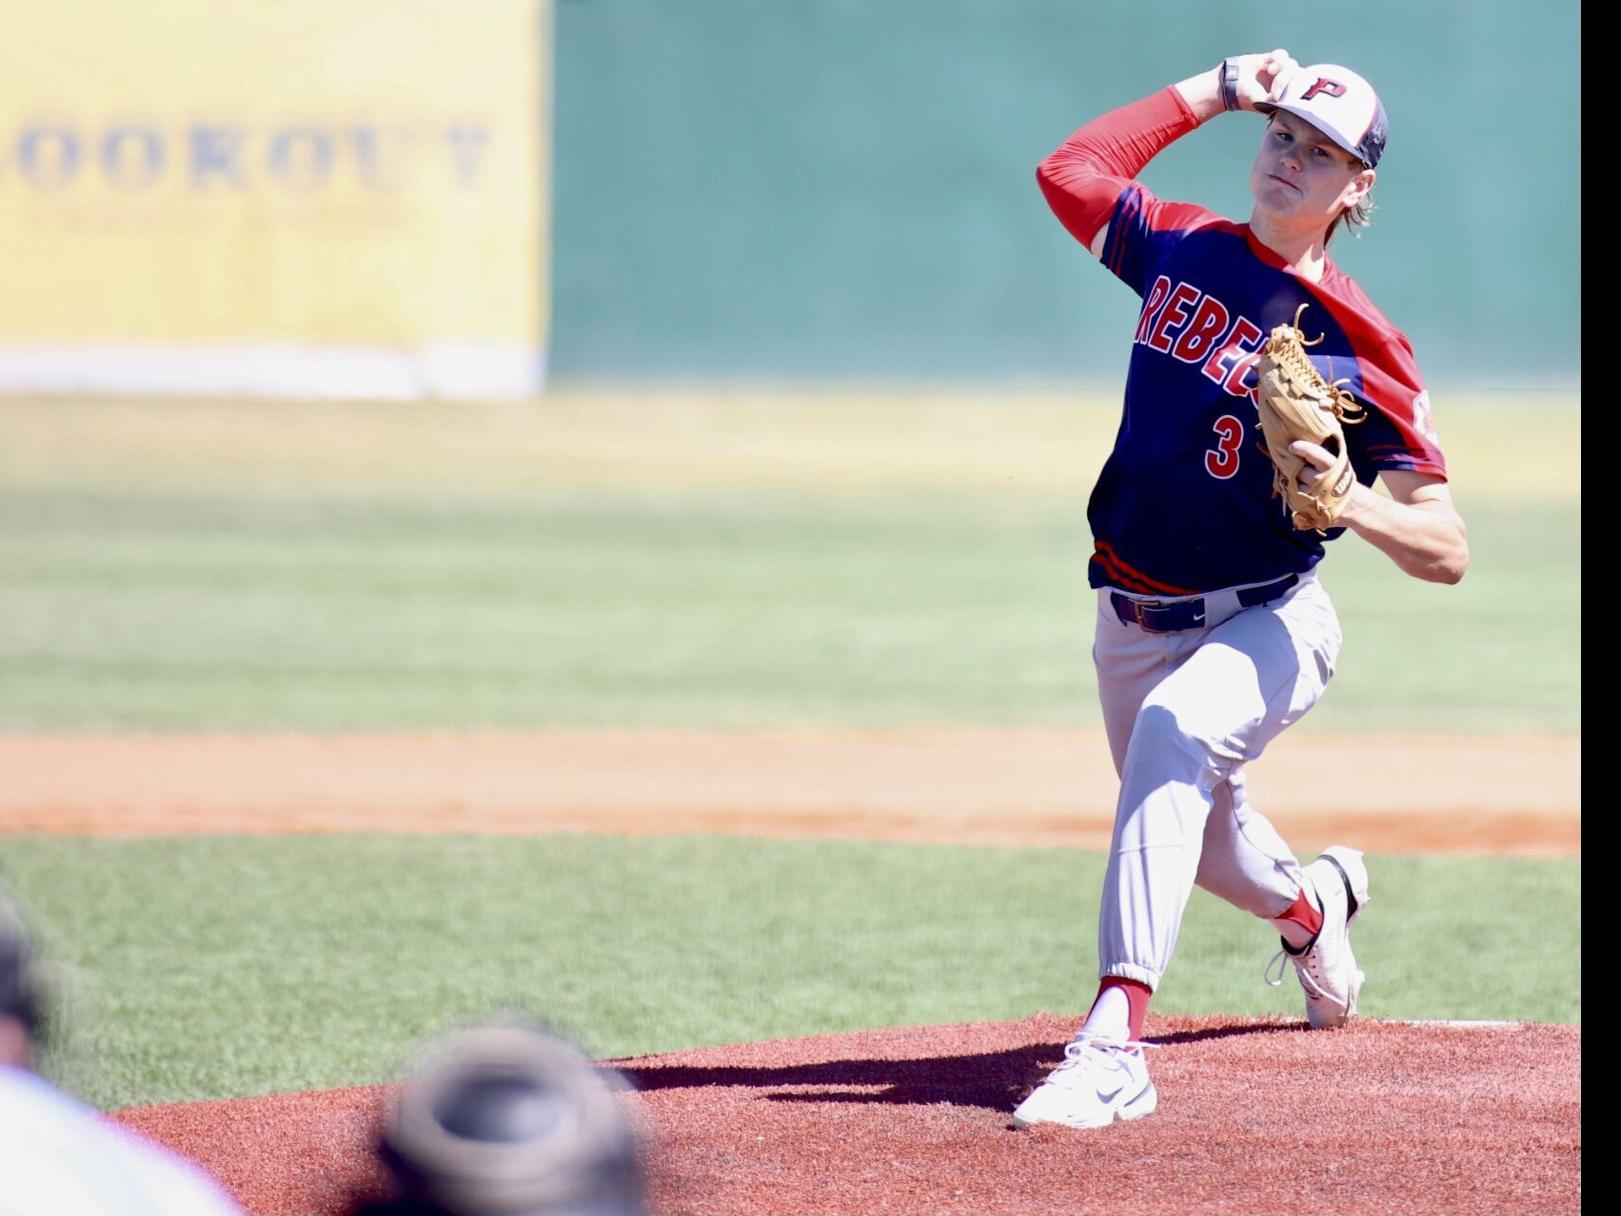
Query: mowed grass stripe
{"points": [[145, 611], [992, 442], [227, 966]]}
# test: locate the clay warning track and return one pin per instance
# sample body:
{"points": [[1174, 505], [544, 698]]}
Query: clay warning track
{"points": [[1254, 1117]]}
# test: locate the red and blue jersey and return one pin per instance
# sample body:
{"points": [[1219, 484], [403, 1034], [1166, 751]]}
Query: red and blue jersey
{"points": [[1184, 503]]}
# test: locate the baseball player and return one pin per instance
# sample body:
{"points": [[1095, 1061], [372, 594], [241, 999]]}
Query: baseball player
{"points": [[57, 1156], [1213, 631]]}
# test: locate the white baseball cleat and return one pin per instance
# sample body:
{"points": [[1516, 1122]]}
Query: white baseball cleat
{"points": [[1099, 1082], [1327, 968]]}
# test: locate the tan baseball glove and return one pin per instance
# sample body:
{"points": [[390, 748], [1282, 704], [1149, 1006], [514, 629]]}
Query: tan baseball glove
{"points": [[1295, 402]]}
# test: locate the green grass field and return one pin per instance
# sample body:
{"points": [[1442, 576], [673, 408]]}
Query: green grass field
{"points": [[694, 559], [672, 564], [229, 966]]}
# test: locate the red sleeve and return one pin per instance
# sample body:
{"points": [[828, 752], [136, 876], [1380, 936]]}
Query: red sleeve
{"points": [[1391, 381], [1398, 431], [1084, 178]]}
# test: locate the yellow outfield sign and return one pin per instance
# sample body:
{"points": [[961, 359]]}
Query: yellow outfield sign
{"points": [[279, 196]]}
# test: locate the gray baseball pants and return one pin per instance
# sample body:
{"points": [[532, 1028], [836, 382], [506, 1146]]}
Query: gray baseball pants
{"points": [[1185, 711]]}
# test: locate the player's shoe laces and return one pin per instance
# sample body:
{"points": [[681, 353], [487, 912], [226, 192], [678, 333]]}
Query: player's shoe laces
{"points": [[1326, 967], [1098, 1082]]}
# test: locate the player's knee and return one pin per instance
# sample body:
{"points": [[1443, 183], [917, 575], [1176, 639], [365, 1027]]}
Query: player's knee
{"points": [[1171, 739]]}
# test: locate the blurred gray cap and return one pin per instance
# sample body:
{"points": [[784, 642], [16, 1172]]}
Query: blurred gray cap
{"points": [[510, 1120]]}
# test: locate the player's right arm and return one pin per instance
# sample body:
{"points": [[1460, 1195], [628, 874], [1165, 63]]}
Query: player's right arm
{"points": [[1084, 178]]}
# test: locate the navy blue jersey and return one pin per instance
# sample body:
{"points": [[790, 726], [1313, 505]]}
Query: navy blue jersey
{"points": [[1184, 503]]}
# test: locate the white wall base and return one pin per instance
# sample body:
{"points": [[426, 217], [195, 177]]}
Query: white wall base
{"points": [[447, 371]]}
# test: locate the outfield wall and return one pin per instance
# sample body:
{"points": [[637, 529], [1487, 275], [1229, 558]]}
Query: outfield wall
{"points": [[239, 196], [847, 187], [230, 196]]}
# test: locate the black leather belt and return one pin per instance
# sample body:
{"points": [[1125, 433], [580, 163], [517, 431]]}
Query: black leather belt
{"points": [[1158, 616]]}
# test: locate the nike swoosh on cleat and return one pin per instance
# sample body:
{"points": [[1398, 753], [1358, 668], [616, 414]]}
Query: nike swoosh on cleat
{"points": [[1351, 905], [1111, 1095]]}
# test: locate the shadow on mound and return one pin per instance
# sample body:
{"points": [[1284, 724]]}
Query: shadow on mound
{"points": [[994, 1080], [1254, 1117], [988, 1079]]}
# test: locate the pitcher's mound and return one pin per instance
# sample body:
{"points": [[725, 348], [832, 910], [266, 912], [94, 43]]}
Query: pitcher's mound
{"points": [[1254, 1117]]}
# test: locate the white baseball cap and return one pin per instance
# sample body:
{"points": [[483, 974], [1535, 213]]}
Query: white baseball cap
{"points": [[1340, 104]]}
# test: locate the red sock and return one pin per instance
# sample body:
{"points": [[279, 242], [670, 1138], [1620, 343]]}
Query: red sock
{"points": [[1137, 996], [1302, 913]]}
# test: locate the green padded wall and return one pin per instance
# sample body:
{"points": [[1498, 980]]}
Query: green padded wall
{"points": [[845, 187]]}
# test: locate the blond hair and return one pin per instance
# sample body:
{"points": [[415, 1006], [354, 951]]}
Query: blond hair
{"points": [[1359, 215]]}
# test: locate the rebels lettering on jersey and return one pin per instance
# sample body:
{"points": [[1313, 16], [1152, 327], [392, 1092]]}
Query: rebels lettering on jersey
{"points": [[1204, 331], [1185, 502]]}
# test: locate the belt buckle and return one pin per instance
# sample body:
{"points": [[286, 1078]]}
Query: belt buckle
{"points": [[1139, 607]]}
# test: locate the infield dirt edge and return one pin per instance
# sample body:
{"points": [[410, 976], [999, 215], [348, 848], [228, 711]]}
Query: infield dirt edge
{"points": [[915, 1120], [1423, 794]]}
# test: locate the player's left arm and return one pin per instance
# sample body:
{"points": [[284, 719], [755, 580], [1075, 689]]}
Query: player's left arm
{"points": [[1417, 527]]}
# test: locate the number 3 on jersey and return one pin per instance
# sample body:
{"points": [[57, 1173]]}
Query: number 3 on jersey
{"points": [[1222, 460]]}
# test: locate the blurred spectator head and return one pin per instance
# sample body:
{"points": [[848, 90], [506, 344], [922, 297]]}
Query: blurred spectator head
{"points": [[510, 1120], [21, 1005]]}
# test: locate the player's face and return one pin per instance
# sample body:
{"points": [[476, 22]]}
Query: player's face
{"points": [[1301, 178]]}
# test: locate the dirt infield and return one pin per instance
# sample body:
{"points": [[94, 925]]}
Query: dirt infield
{"points": [[1388, 793], [1255, 1117]]}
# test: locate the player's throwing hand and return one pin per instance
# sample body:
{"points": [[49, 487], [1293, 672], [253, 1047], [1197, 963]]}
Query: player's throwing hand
{"points": [[1318, 462], [1260, 77]]}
